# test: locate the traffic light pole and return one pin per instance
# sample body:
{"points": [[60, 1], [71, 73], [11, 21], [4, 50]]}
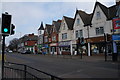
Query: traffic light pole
{"points": [[105, 47], [3, 50]]}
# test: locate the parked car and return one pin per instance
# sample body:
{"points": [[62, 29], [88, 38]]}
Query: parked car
{"points": [[26, 52], [10, 51]]}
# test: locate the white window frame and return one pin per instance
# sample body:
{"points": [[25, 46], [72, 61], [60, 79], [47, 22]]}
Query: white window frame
{"points": [[98, 15], [99, 30], [79, 33], [78, 21], [64, 36]]}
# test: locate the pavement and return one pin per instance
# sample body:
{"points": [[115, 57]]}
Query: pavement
{"points": [[70, 66]]}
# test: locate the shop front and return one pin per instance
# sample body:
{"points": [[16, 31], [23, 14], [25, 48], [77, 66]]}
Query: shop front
{"points": [[96, 46], [39, 46], [65, 48], [116, 46], [54, 48], [45, 49]]}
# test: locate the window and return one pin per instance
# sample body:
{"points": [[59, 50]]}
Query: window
{"points": [[64, 36], [46, 39], [53, 38], [25, 43], [76, 34], [98, 15], [99, 31], [64, 26], [40, 32], [79, 33], [78, 21]]}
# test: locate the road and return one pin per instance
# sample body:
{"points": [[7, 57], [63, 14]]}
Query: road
{"points": [[67, 67]]}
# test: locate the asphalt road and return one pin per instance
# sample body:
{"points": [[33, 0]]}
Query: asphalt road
{"points": [[67, 67]]}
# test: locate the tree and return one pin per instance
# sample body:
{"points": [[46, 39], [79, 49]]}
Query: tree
{"points": [[13, 44]]}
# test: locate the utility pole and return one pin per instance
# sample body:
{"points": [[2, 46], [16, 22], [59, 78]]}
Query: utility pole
{"points": [[105, 47], [3, 50]]}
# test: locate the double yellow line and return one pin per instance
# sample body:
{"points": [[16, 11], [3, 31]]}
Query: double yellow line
{"points": [[1, 57]]}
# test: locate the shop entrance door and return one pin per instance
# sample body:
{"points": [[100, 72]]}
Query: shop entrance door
{"points": [[53, 50]]}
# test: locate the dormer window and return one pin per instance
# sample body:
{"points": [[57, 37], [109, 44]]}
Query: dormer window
{"points": [[98, 16], [78, 21]]}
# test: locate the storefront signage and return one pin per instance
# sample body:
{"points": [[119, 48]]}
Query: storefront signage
{"points": [[67, 43], [116, 37], [116, 23], [54, 44], [46, 45]]}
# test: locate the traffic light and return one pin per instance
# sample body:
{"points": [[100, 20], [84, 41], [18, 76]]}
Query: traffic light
{"points": [[12, 29], [108, 37], [82, 40], [6, 21]]}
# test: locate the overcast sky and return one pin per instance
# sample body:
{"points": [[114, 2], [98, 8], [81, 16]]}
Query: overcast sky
{"points": [[28, 14]]}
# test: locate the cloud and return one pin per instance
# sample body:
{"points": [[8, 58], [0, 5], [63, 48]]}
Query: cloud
{"points": [[55, 0], [27, 15]]}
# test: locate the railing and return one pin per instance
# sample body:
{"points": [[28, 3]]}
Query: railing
{"points": [[23, 72]]}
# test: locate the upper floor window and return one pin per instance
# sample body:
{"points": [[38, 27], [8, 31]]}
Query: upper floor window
{"points": [[40, 32], [98, 16], [64, 26], [46, 39], [64, 36], [78, 21], [99, 31], [76, 34], [25, 43], [53, 38], [79, 33]]}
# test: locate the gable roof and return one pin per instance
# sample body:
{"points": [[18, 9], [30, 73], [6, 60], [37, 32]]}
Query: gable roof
{"points": [[41, 26], [86, 18], [28, 38], [69, 22], [57, 25], [110, 12], [48, 28]]}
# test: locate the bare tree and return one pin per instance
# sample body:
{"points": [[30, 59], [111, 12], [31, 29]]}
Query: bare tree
{"points": [[13, 44]]}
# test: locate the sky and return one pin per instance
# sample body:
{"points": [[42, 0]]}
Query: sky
{"points": [[28, 14]]}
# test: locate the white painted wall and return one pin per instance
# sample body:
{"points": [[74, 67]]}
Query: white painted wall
{"points": [[66, 30], [100, 23], [40, 37], [79, 27]]}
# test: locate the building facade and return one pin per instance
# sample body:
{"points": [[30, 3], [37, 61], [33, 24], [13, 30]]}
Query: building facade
{"points": [[28, 42], [40, 43], [47, 39], [80, 27], [54, 37], [101, 25], [66, 35]]}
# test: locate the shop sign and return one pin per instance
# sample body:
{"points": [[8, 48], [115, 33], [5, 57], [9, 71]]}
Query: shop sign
{"points": [[116, 23], [54, 44], [46, 45], [67, 43], [116, 37]]}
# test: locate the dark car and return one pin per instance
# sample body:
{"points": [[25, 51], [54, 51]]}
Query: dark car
{"points": [[26, 52]]}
